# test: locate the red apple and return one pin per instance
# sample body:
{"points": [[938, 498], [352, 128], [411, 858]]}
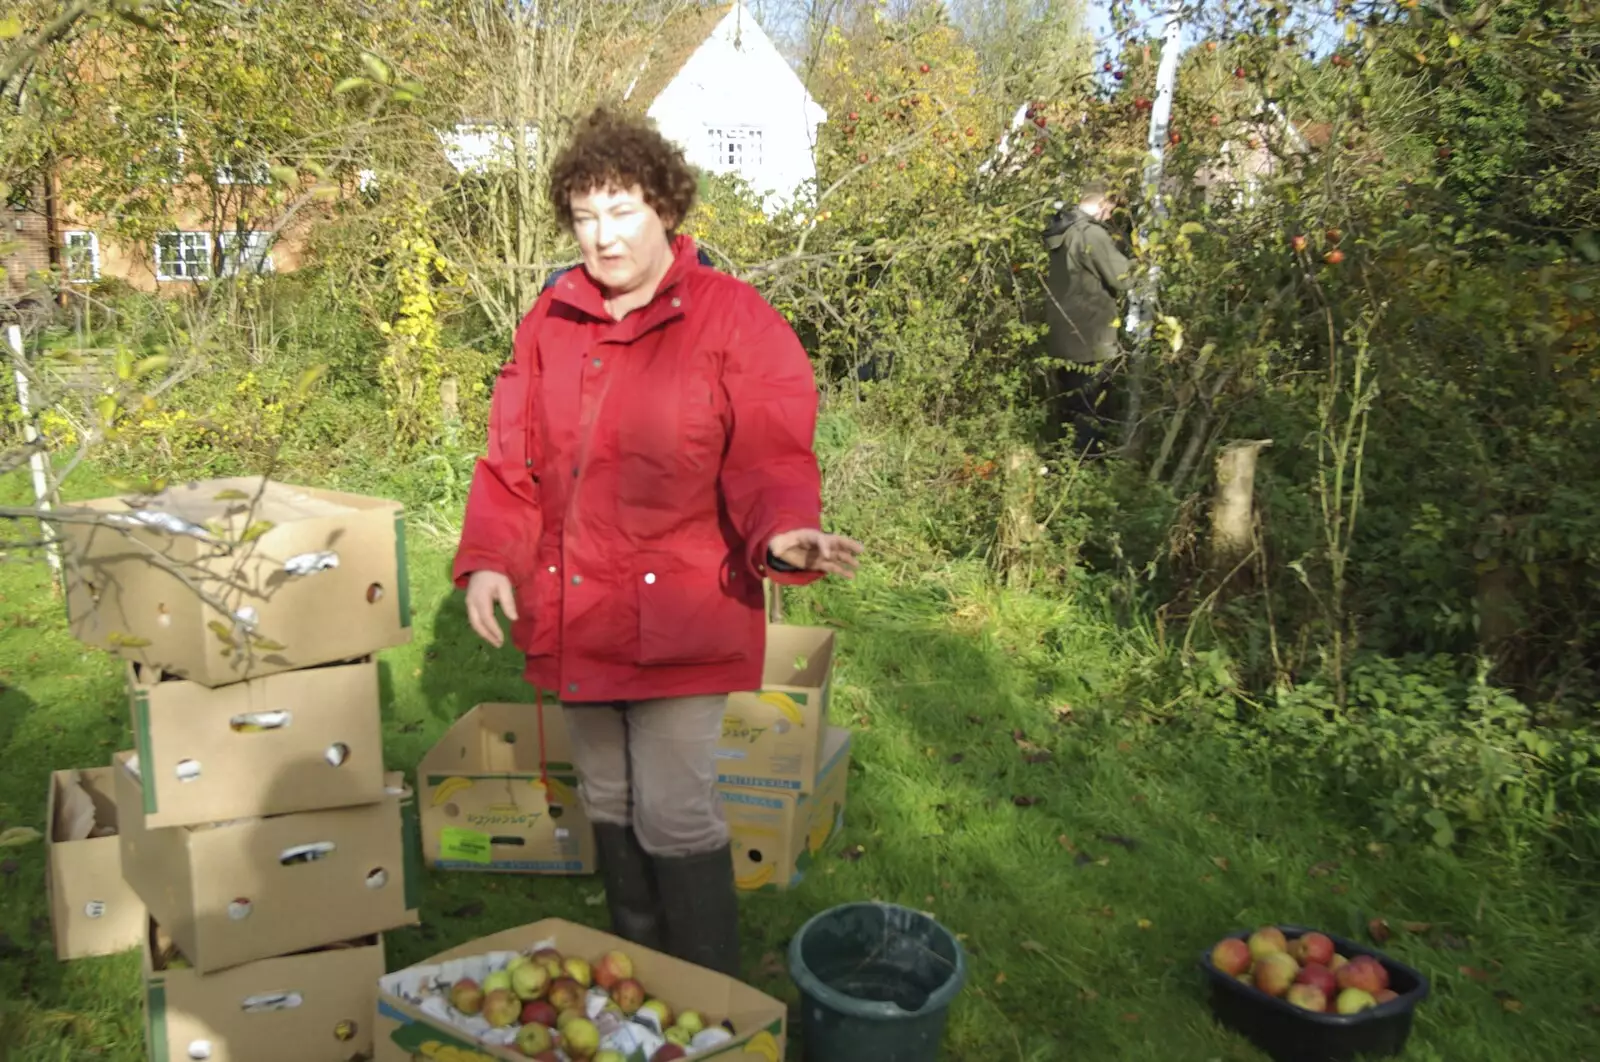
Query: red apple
{"points": [[1106, 68], [1041, 121], [1355, 1000], [1307, 997], [1238, 71], [1316, 948], [466, 996], [539, 1012], [1175, 138], [1216, 119], [1333, 235], [668, 1053], [1298, 243], [924, 68], [565, 994], [1321, 976], [1266, 940], [613, 968], [501, 1008], [629, 995], [1231, 956], [854, 117], [1336, 962], [1118, 75], [1275, 972], [550, 959], [1384, 995], [1365, 973], [862, 158], [1333, 257]]}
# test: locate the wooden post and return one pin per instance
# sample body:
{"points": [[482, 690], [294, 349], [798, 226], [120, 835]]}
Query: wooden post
{"points": [[1233, 504], [36, 460]]}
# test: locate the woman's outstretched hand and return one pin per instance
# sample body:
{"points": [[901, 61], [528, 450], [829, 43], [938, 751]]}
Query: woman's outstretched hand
{"points": [[484, 591], [811, 550]]}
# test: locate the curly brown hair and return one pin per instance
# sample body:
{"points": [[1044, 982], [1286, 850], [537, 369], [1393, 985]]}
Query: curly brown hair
{"points": [[614, 149]]}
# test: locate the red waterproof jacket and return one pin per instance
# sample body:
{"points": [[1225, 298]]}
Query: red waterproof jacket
{"points": [[636, 471]]}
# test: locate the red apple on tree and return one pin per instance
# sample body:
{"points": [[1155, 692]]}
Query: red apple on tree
{"points": [[924, 68], [1333, 257]]}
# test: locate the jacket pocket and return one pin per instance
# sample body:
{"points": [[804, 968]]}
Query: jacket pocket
{"points": [[688, 614], [537, 630]]}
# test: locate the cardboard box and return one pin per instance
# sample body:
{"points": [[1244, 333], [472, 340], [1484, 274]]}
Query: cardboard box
{"points": [[313, 1006], [295, 741], [777, 834], [406, 1030], [483, 799], [234, 892], [772, 737], [320, 576], [92, 910]]}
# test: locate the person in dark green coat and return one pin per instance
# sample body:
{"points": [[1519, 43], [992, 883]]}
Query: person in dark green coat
{"points": [[1087, 277]]}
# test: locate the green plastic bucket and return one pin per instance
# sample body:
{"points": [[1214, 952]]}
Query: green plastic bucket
{"points": [[876, 981]]}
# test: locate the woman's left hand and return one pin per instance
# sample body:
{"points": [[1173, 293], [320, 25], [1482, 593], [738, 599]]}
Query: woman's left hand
{"points": [[811, 550]]}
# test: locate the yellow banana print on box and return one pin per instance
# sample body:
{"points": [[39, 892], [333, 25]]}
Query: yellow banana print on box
{"points": [[449, 788], [785, 704], [764, 1045]]}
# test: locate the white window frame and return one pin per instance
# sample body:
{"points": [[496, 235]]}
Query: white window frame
{"points": [[67, 250], [252, 173], [188, 243], [256, 245], [175, 134], [735, 148]]}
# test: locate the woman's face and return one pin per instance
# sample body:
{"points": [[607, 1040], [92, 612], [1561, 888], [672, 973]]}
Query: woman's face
{"points": [[623, 240]]}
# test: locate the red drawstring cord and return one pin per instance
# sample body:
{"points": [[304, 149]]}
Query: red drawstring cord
{"points": [[544, 773]]}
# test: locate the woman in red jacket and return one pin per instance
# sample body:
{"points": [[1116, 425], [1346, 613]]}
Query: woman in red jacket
{"points": [[650, 462]]}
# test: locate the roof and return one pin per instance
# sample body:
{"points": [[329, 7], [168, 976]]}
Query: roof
{"points": [[680, 37]]}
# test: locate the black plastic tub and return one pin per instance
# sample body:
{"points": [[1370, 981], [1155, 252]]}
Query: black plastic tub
{"points": [[1291, 1034]]}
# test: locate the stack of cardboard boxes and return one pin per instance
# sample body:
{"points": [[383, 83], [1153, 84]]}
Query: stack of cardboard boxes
{"points": [[782, 770], [263, 841]]}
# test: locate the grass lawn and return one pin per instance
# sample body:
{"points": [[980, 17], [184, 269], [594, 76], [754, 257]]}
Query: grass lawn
{"points": [[1080, 946]]}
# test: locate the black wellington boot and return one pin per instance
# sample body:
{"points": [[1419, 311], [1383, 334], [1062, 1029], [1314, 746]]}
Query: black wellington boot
{"points": [[626, 870], [700, 909]]}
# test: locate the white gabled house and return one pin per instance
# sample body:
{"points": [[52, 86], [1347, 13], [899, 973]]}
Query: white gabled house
{"points": [[717, 86]]}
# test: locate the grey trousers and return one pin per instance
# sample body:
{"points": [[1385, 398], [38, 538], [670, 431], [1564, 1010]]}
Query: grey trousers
{"points": [[652, 764]]}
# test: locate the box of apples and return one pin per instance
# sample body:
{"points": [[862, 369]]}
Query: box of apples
{"points": [[1308, 996], [555, 991]]}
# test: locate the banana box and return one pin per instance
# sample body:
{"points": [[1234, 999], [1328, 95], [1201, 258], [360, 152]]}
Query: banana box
{"points": [[92, 910], [499, 792], [777, 834], [311, 1006], [416, 1023], [296, 741], [231, 893], [772, 738], [225, 580]]}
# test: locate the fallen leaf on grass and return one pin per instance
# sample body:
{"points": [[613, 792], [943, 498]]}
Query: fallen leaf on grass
{"points": [[1211, 816], [1221, 862], [1123, 746], [18, 836], [1066, 842], [1451, 941], [957, 757], [1063, 713], [772, 964], [1340, 890], [1000, 978], [594, 899], [1119, 840], [1144, 923], [1130, 1017], [1480, 976], [1323, 869], [1508, 1002], [1206, 879], [1031, 752], [1378, 929], [1088, 995], [471, 909], [1416, 927], [1032, 945], [974, 720], [853, 853], [1026, 801]]}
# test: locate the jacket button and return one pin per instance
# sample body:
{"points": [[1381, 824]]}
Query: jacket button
{"points": [[552, 569], [577, 579], [676, 303], [650, 577], [597, 363]]}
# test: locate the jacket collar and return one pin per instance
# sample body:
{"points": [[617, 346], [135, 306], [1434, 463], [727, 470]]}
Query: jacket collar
{"points": [[578, 290]]}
